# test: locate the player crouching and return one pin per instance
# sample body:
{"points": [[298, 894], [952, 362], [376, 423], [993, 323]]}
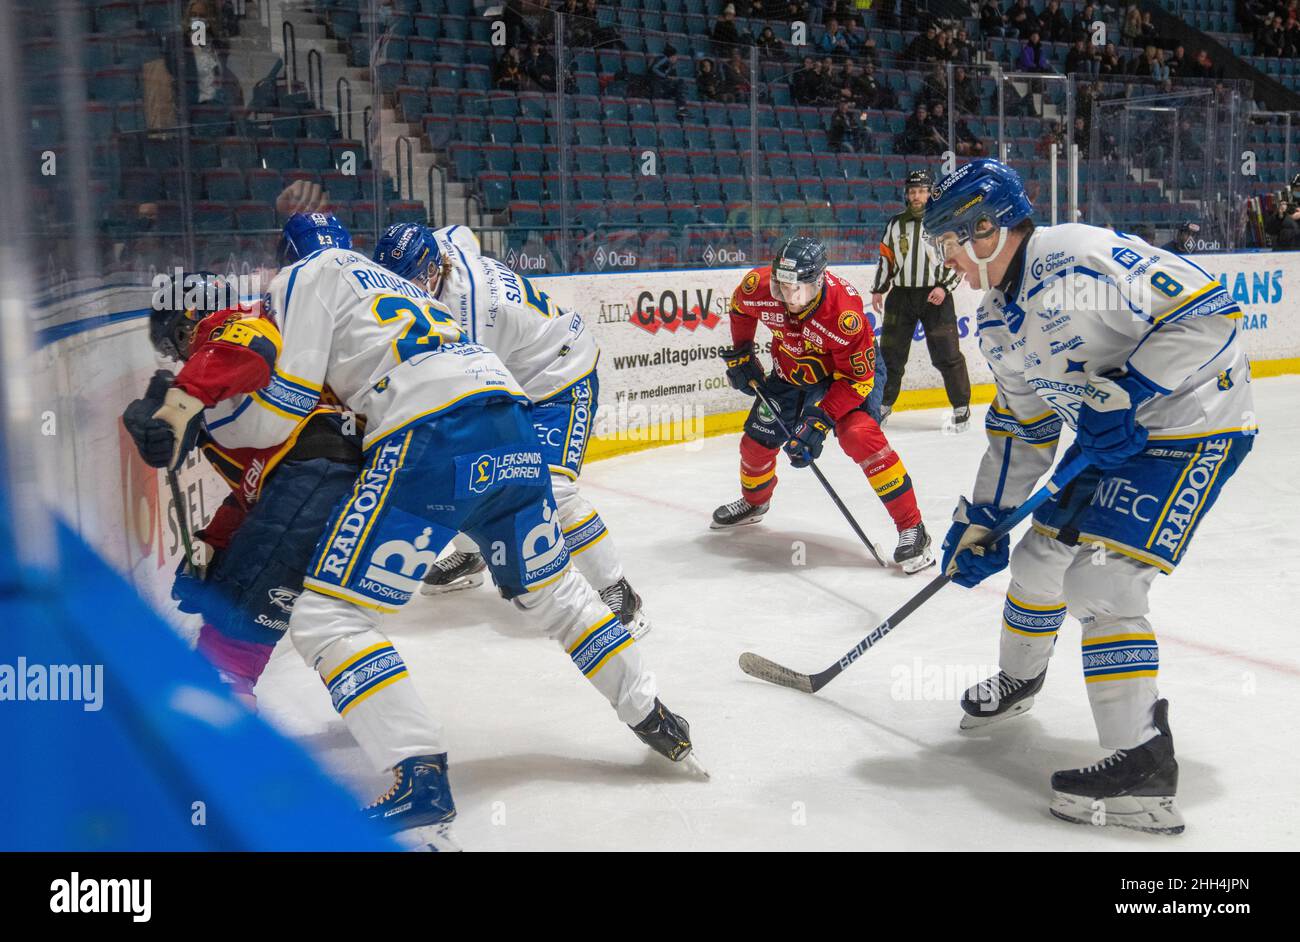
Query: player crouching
{"points": [[1152, 376], [823, 373]]}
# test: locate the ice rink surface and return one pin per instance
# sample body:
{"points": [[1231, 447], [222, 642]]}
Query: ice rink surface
{"points": [[875, 761]]}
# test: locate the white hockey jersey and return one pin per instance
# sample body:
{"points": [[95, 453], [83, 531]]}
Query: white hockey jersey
{"points": [[548, 348], [1086, 301], [384, 346]]}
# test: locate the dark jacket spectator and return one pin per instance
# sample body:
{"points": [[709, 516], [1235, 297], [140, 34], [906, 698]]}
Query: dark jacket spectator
{"points": [[993, 24], [1081, 58], [707, 81], [770, 44], [965, 94], [919, 135], [509, 73], [735, 77], [725, 31], [924, 47], [1110, 63], [805, 85], [1052, 23], [1081, 25], [1020, 18], [539, 65]]}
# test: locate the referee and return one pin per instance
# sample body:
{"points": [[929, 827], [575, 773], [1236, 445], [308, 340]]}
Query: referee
{"points": [[913, 285]]}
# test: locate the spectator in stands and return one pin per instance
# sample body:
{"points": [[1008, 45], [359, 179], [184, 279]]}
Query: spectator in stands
{"points": [[1053, 135], [508, 76], [836, 40], [1177, 61], [1151, 64], [1131, 28], [829, 92], [805, 85], [1202, 66], [1285, 227], [1081, 136], [968, 145], [579, 28], [1292, 47], [725, 31], [935, 88], [539, 66], [1149, 34], [1191, 141], [206, 78], [1081, 25], [1270, 40], [664, 82], [962, 50], [943, 48], [757, 10], [840, 133], [1110, 63], [919, 136], [796, 10], [1033, 57], [965, 94], [1081, 58], [1052, 23], [770, 45], [868, 53], [735, 77], [924, 47], [707, 82], [993, 24], [886, 100], [1020, 19]]}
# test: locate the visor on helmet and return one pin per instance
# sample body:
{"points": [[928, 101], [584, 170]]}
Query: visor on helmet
{"points": [[795, 294]]}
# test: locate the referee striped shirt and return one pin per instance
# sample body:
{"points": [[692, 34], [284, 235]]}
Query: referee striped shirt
{"points": [[906, 261]]}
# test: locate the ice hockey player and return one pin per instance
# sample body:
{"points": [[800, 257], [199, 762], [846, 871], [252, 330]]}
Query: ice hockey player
{"points": [[823, 370], [254, 551], [551, 352], [1137, 350], [448, 446], [912, 286]]}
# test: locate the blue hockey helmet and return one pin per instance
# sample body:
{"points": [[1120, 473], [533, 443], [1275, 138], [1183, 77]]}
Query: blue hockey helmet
{"points": [[798, 272], [178, 308], [407, 249], [305, 233], [982, 193]]}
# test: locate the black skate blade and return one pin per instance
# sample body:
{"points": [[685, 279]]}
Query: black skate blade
{"points": [[756, 666]]}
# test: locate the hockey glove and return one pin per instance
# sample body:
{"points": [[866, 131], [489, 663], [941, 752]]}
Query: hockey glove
{"points": [[743, 367], [178, 418], [964, 560], [1108, 432], [153, 440], [806, 446]]}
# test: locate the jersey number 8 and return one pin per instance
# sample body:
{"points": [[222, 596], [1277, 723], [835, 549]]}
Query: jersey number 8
{"points": [[427, 328]]}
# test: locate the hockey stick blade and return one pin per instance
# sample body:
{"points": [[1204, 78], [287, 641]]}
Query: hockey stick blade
{"points": [[757, 666], [774, 673]]}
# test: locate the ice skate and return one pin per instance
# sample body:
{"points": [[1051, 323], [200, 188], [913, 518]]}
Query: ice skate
{"points": [[453, 573], [998, 698], [624, 602], [958, 421], [737, 514], [418, 804], [913, 552], [1131, 788]]}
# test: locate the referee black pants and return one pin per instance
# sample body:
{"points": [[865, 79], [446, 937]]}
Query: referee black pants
{"points": [[904, 307]]}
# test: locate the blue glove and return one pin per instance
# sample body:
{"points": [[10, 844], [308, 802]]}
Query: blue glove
{"points": [[743, 366], [963, 559], [806, 445], [1108, 433]]}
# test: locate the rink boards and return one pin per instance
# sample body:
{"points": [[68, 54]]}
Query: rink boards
{"points": [[660, 376]]}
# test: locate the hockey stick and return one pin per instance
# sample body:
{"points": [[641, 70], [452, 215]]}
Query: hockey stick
{"points": [[776, 417], [182, 521], [773, 673]]}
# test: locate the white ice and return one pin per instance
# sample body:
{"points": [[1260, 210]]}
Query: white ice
{"points": [[875, 761]]}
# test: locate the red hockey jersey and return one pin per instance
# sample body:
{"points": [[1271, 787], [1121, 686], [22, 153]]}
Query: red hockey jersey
{"points": [[832, 341]]}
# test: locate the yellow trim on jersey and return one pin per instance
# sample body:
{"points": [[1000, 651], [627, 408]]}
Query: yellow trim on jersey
{"points": [[314, 387], [514, 393], [1114, 639], [607, 657], [1187, 302], [1173, 492], [337, 592], [586, 546], [1091, 539], [555, 578], [1197, 436], [587, 632], [1200, 505], [379, 507], [562, 471]]}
